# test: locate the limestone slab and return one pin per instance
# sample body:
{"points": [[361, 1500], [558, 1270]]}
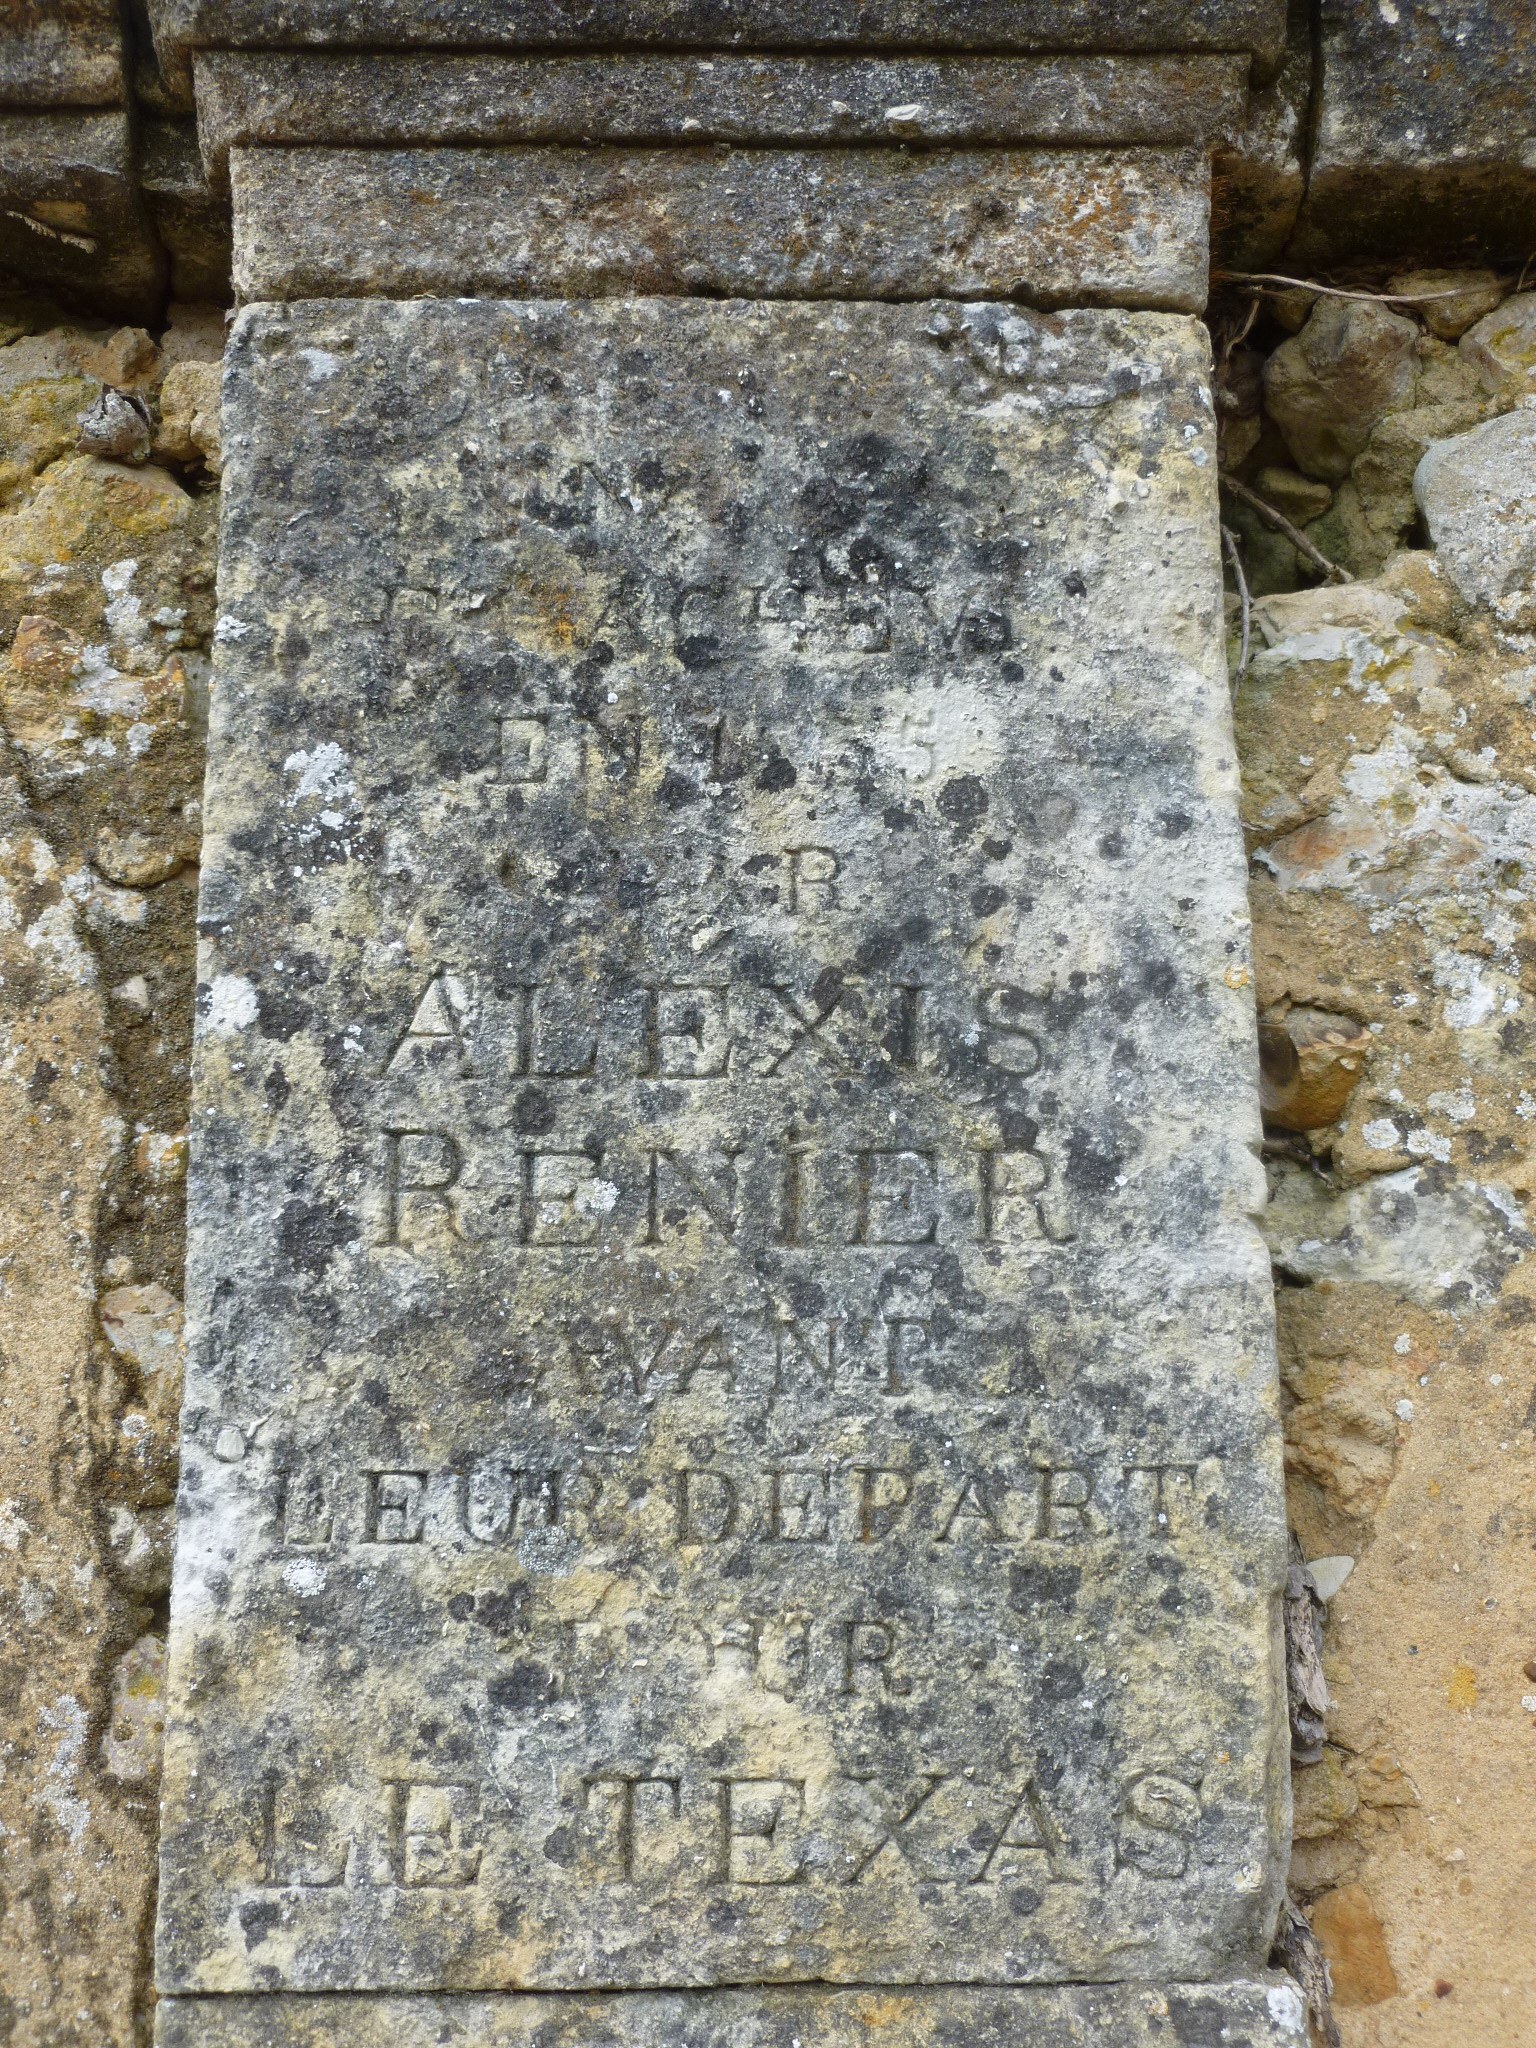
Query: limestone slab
{"points": [[191, 221], [731, 1416], [70, 212], [269, 98], [1477, 493], [1263, 2013], [1254, 27], [1051, 226], [61, 53], [1426, 139]]}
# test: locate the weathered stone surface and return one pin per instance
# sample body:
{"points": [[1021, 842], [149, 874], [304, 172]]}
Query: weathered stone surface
{"points": [[70, 215], [1478, 496], [107, 569], [1053, 226], [1257, 178], [1258, 2014], [1425, 134], [77, 1866], [189, 428], [61, 53], [191, 220], [1327, 386], [181, 26], [730, 1434], [1502, 349], [1450, 301], [286, 98]]}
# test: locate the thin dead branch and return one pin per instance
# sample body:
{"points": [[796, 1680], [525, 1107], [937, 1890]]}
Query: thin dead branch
{"points": [[1308, 550], [1239, 335], [1270, 283], [1230, 543]]}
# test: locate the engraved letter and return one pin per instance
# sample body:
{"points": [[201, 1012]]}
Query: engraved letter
{"points": [[436, 1028], [563, 1197], [621, 1793], [706, 1506], [426, 1836], [396, 1509], [419, 1169], [896, 1202], [884, 1496], [687, 1033], [757, 1831]]}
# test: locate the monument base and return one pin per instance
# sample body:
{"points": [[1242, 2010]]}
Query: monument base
{"points": [[1265, 2012]]}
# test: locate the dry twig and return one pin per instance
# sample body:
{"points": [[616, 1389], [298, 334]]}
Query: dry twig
{"points": [[1229, 542], [1308, 550], [1239, 335], [1261, 279]]}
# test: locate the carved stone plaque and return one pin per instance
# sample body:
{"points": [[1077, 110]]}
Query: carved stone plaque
{"points": [[730, 1432]]}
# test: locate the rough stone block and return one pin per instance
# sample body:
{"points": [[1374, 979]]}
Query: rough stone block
{"points": [[1253, 27], [70, 214], [730, 1431], [1257, 180], [61, 53], [1477, 492], [288, 98], [192, 222], [1426, 140], [1054, 227], [1259, 2014]]}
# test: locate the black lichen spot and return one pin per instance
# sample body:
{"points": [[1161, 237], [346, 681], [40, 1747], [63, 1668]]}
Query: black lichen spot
{"points": [[280, 1014], [1074, 585], [258, 1917], [504, 1613], [1112, 845], [277, 1090], [461, 1606], [699, 650], [44, 1074], [1060, 1680], [560, 1846], [527, 1684], [533, 1113], [986, 633], [988, 898], [779, 773], [1173, 824], [677, 791], [308, 1232], [1197, 2026], [1031, 1586], [1090, 1169], [963, 802]]}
